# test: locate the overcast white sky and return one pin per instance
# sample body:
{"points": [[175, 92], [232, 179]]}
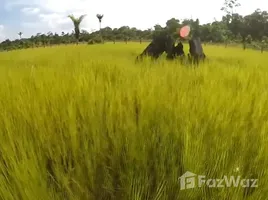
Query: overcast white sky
{"points": [[33, 16]]}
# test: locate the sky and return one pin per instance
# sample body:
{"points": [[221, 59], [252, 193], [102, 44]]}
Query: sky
{"points": [[41, 16]]}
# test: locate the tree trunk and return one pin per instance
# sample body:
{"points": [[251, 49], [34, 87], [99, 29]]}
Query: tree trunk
{"points": [[101, 34], [244, 46]]}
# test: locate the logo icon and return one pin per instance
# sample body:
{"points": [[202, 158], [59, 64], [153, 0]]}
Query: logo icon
{"points": [[187, 180], [191, 180]]}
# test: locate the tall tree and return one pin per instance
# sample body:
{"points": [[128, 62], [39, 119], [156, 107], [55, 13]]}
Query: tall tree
{"points": [[99, 16], [229, 6], [76, 23], [172, 25], [196, 28], [231, 24], [20, 34]]}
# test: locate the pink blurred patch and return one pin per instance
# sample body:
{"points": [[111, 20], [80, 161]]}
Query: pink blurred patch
{"points": [[184, 31]]}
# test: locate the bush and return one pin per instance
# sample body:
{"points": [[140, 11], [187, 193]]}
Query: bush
{"points": [[96, 40]]}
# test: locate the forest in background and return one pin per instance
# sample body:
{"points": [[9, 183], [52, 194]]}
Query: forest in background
{"points": [[248, 30]]}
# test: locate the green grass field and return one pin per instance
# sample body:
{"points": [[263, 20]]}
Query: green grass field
{"points": [[86, 122]]}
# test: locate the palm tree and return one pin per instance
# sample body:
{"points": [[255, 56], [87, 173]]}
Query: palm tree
{"points": [[20, 34], [99, 16], [77, 22]]}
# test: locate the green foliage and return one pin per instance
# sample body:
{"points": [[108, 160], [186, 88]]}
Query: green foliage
{"points": [[85, 122], [249, 39], [239, 38], [95, 40], [265, 39], [172, 25], [264, 43]]}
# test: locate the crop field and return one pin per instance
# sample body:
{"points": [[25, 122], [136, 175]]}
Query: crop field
{"points": [[87, 122]]}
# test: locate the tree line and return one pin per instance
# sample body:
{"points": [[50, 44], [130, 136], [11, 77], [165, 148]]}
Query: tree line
{"points": [[251, 29]]}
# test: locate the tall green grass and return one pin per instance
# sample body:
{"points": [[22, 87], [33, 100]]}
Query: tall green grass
{"points": [[86, 122]]}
